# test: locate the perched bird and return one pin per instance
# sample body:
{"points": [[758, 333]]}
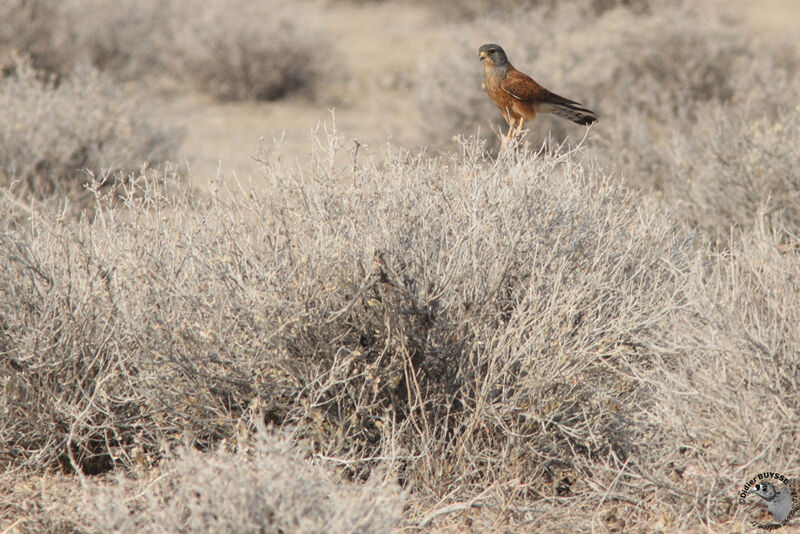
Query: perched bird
{"points": [[779, 503], [519, 97]]}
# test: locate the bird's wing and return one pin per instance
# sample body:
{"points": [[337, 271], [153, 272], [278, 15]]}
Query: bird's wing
{"points": [[522, 87]]}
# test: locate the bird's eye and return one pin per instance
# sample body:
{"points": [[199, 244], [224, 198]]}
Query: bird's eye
{"points": [[493, 50]]}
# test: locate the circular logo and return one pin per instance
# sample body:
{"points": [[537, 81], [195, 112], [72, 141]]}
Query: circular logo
{"points": [[776, 491]]}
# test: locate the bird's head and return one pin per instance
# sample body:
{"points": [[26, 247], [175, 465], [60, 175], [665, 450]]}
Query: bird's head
{"points": [[492, 54], [765, 490]]}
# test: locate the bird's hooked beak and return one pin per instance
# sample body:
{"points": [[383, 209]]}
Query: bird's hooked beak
{"points": [[483, 55]]}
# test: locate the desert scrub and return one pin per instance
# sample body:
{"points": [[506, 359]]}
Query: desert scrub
{"points": [[249, 49], [490, 325], [264, 486], [741, 337], [522, 333], [124, 38], [28, 27], [258, 482], [749, 154], [474, 9], [127, 39], [245, 49], [54, 134], [476, 330]]}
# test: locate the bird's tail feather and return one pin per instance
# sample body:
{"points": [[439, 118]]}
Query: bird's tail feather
{"points": [[569, 109], [576, 114]]}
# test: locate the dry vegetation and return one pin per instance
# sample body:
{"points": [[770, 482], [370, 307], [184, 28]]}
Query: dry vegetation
{"points": [[470, 341], [243, 49], [126, 38], [234, 50], [55, 135], [266, 488]]}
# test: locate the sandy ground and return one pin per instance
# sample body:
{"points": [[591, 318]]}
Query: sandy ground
{"points": [[771, 18], [380, 43]]}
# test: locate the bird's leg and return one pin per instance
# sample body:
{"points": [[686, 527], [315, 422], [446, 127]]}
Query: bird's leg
{"points": [[514, 130], [525, 143], [510, 133], [504, 137]]}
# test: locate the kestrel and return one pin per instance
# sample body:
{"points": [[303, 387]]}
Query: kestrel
{"points": [[519, 97]]}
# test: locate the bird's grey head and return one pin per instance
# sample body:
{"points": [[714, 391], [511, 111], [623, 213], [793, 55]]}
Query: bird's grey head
{"points": [[765, 490], [492, 54]]}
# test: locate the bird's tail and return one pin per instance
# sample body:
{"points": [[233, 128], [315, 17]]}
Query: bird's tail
{"points": [[569, 109]]}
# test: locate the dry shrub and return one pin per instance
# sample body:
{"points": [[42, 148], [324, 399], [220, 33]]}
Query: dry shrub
{"points": [[519, 341], [716, 138], [264, 484], [661, 75], [245, 49], [28, 26], [249, 49], [481, 315], [124, 37], [268, 488], [54, 134], [127, 38], [471, 9], [735, 385], [473, 332], [734, 165], [36, 502]]}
